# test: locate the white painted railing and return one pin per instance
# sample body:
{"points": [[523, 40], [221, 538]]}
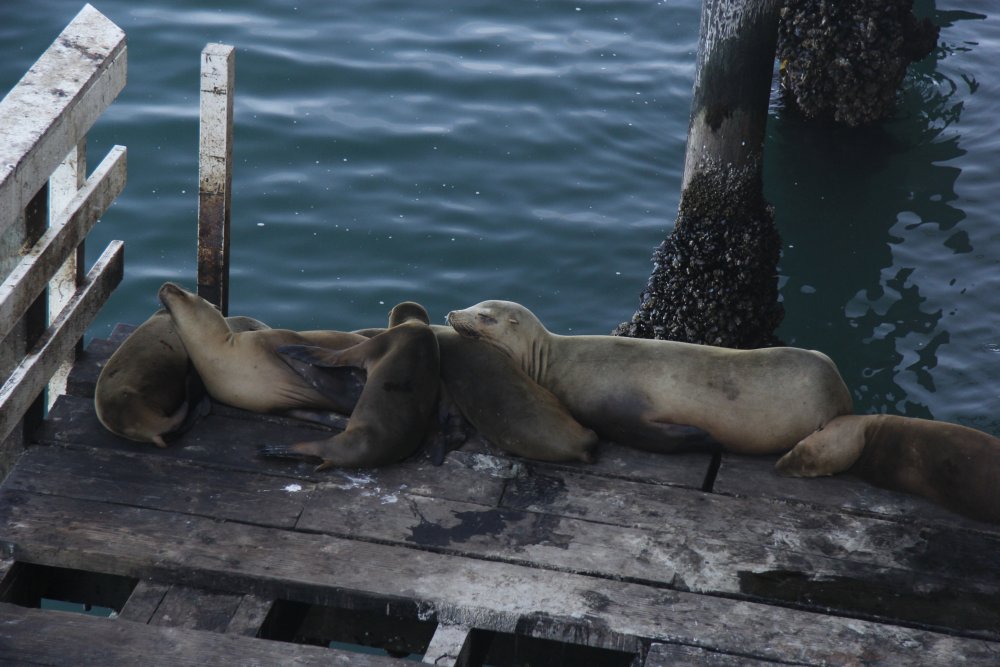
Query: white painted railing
{"points": [[47, 207]]}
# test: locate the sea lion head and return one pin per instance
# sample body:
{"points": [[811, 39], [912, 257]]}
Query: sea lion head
{"points": [[502, 323], [407, 311]]}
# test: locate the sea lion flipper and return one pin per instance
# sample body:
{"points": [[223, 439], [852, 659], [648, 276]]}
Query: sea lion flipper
{"points": [[313, 355], [341, 384]]}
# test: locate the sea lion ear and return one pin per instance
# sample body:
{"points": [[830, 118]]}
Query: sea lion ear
{"points": [[513, 320]]}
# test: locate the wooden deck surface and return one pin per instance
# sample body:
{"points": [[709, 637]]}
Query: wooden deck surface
{"points": [[209, 555]]}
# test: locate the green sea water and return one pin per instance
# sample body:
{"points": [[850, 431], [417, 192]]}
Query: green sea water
{"points": [[453, 152]]}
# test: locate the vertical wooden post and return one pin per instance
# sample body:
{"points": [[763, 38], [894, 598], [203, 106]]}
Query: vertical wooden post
{"points": [[36, 218], [215, 172], [66, 180]]}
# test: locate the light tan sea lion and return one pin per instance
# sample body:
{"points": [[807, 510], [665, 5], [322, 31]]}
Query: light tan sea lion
{"points": [[148, 389], [242, 368], [392, 415], [953, 465], [666, 396]]}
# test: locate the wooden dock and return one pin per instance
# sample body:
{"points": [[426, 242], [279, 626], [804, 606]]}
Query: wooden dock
{"points": [[210, 555]]}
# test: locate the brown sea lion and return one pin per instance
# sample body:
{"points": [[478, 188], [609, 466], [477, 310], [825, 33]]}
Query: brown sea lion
{"points": [[392, 415], [242, 368], [506, 407], [955, 466], [498, 399], [666, 396], [148, 389]]}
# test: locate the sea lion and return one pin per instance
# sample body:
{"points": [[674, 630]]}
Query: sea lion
{"points": [[391, 416], [952, 465], [506, 407], [665, 396], [242, 368], [148, 389], [509, 409]]}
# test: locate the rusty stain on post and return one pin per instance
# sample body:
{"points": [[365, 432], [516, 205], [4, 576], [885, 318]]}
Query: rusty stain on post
{"points": [[215, 172]]}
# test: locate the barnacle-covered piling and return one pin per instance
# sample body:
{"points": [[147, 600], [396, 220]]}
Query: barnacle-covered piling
{"points": [[844, 61], [714, 279]]}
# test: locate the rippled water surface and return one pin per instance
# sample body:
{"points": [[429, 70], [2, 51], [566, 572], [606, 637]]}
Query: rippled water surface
{"points": [[453, 152]]}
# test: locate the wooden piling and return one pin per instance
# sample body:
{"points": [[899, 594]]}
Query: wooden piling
{"points": [[215, 172]]}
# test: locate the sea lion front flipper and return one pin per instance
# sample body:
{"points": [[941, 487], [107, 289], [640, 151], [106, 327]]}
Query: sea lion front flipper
{"points": [[342, 384], [452, 429], [312, 355]]}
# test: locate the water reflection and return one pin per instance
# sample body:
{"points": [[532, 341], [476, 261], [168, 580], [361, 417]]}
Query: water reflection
{"points": [[871, 220]]}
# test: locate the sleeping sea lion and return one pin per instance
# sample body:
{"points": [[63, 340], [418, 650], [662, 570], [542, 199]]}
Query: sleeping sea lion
{"points": [[242, 368], [392, 415], [666, 396], [955, 466], [485, 387], [148, 389]]}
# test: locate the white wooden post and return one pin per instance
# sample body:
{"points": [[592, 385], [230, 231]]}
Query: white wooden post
{"points": [[215, 172], [66, 180]]}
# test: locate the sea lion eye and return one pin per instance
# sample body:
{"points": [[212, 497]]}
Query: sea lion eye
{"points": [[488, 319]]}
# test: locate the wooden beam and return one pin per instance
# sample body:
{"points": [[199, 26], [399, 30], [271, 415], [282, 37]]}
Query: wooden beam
{"points": [[28, 380], [54, 105], [40, 637], [215, 172]]}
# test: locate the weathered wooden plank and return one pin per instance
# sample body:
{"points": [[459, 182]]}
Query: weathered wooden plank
{"points": [[614, 460], [754, 477], [36, 637], [675, 655], [249, 616], [65, 232], [909, 579], [215, 172], [793, 527], [82, 377], [446, 645], [148, 480], [54, 105], [143, 602], [196, 609], [232, 443], [28, 380], [319, 569]]}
